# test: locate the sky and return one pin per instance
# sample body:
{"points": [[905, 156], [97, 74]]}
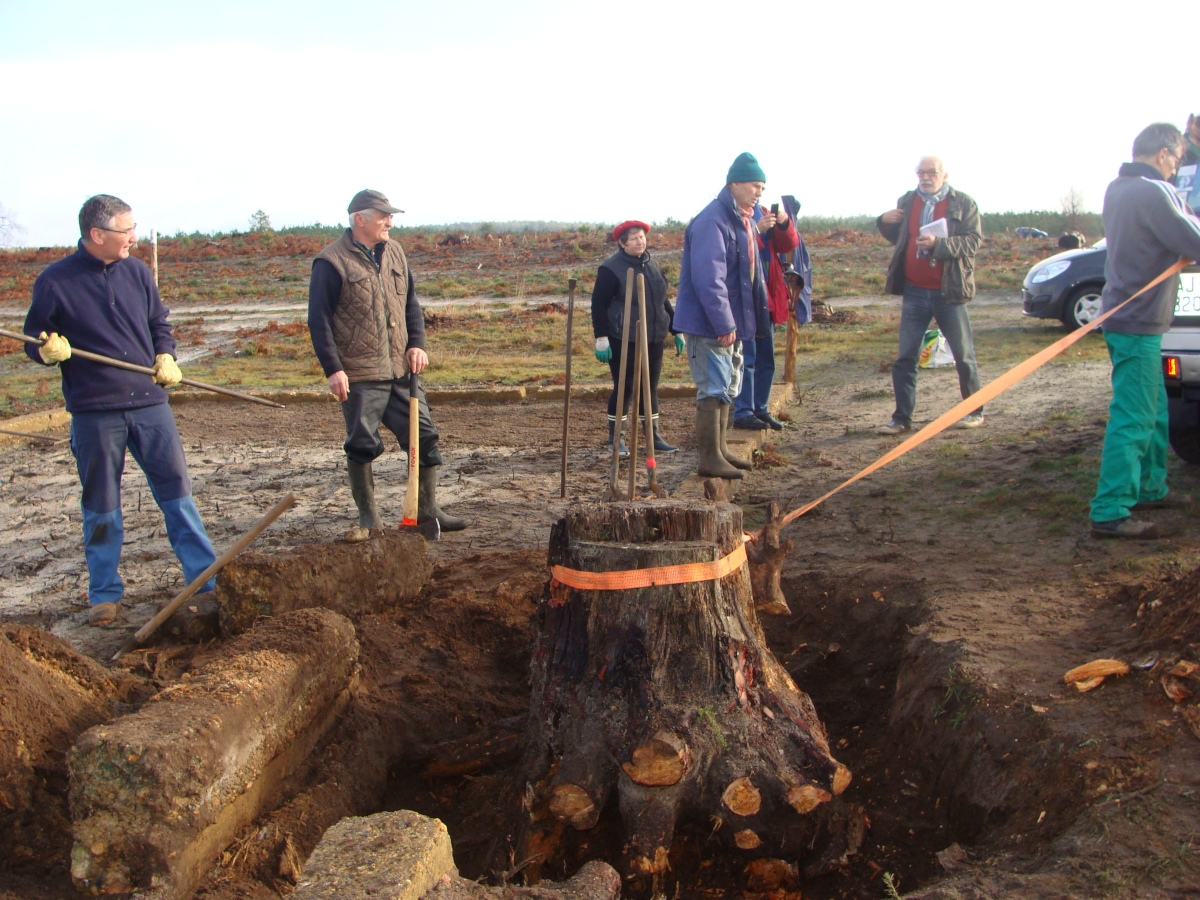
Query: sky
{"points": [[199, 114]]}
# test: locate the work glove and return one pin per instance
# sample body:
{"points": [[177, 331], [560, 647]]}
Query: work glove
{"points": [[56, 348], [603, 351], [680, 344], [166, 372]]}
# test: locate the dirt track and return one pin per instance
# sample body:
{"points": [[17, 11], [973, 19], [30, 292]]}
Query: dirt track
{"points": [[1017, 596]]}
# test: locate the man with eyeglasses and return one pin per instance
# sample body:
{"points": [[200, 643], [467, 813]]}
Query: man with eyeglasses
{"points": [[936, 233], [368, 332], [101, 300], [1148, 228]]}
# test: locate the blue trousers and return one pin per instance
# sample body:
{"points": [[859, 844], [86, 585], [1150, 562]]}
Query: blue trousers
{"points": [[758, 372], [917, 308], [99, 441]]}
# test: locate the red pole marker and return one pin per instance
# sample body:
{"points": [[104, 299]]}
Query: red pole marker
{"points": [[649, 462]]}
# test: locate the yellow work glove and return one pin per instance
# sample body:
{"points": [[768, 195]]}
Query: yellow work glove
{"points": [[56, 348], [166, 372]]}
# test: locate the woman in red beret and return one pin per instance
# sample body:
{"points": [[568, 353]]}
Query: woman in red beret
{"points": [[608, 309]]}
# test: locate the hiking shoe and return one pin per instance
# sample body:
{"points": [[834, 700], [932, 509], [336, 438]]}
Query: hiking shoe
{"points": [[773, 423], [750, 423], [893, 427], [971, 420], [1171, 500], [1129, 527], [103, 613]]}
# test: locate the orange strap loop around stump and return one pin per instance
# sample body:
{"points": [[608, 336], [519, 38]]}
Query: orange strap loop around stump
{"points": [[655, 577]]}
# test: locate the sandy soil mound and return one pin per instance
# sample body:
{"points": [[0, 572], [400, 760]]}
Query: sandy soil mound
{"points": [[49, 695]]}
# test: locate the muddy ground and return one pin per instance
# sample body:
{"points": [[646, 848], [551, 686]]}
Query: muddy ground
{"points": [[936, 606]]}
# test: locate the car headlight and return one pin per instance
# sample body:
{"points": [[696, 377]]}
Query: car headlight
{"points": [[1051, 271]]}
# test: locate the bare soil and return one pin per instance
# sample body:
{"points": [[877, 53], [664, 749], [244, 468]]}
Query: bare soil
{"points": [[936, 606]]}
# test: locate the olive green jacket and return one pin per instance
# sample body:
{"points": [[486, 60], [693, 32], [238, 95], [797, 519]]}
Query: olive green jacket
{"points": [[958, 250]]}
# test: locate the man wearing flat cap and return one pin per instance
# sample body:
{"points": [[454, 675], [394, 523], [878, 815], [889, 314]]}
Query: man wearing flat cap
{"points": [[722, 291], [369, 333]]}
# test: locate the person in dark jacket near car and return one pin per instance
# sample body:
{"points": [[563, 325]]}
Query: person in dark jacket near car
{"points": [[608, 310], [1148, 228], [722, 289], [101, 300], [936, 277], [368, 332]]}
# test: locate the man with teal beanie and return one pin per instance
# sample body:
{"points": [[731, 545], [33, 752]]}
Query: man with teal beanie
{"points": [[721, 291]]}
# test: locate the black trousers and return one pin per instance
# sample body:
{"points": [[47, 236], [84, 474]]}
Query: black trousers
{"points": [[656, 357], [375, 403]]}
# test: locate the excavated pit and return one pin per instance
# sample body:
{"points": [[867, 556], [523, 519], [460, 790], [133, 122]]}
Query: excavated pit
{"points": [[939, 758]]}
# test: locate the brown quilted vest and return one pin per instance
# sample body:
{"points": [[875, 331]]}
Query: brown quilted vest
{"points": [[369, 329]]}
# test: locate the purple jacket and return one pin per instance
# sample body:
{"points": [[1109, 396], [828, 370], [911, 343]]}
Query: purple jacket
{"points": [[112, 309], [718, 290]]}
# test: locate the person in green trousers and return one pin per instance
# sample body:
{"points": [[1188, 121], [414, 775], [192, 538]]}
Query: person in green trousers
{"points": [[1148, 228]]}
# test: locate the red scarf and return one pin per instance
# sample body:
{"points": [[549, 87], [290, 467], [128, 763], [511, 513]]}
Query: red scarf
{"points": [[751, 236]]}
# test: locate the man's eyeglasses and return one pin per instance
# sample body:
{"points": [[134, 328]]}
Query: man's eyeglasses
{"points": [[930, 172], [130, 230]]}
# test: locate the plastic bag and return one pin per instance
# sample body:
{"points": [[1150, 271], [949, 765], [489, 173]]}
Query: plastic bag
{"points": [[935, 351]]}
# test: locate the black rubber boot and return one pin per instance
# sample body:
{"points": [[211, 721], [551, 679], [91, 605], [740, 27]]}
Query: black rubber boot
{"points": [[362, 489], [427, 507], [612, 426], [738, 461], [659, 444], [708, 436]]}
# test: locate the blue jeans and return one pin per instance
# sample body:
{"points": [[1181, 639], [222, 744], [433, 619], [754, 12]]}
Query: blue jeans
{"points": [[917, 308], [716, 370], [99, 441], [759, 373]]}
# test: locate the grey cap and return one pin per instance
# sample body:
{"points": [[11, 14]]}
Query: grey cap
{"points": [[371, 200]]}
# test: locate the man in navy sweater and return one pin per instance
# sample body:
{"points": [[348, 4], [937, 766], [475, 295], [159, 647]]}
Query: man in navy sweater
{"points": [[100, 300]]}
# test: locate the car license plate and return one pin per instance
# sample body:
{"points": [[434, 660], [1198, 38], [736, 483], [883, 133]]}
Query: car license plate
{"points": [[1187, 303]]}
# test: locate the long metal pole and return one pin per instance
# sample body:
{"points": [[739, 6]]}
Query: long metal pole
{"points": [[562, 487], [624, 367], [145, 370], [26, 434]]}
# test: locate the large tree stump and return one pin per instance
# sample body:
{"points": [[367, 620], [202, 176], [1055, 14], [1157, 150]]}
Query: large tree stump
{"points": [[666, 702]]}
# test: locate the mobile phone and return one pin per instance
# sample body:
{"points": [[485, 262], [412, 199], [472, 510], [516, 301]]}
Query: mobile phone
{"points": [[774, 209]]}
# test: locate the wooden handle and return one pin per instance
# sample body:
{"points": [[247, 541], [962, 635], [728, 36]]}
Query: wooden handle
{"points": [[414, 441], [145, 370], [198, 582]]}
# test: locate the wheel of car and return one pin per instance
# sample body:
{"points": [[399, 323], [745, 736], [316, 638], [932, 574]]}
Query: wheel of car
{"points": [[1186, 444], [1082, 305]]}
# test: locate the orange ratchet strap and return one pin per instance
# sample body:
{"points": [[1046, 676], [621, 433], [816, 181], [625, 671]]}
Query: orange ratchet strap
{"points": [[642, 578], [980, 397]]}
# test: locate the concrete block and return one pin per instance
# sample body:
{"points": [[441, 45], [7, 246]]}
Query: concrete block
{"points": [[388, 856], [158, 794], [443, 396], [352, 579]]}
